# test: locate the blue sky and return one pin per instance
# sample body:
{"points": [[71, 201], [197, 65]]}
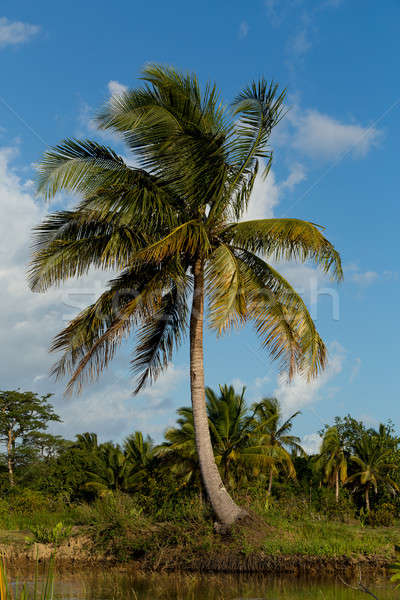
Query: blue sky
{"points": [[335, 163]]}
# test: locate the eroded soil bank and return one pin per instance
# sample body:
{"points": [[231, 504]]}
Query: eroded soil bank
{"points": [[80, 552]]}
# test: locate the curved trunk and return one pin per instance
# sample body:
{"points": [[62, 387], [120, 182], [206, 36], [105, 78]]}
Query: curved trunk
{"points": [[225, 508]]}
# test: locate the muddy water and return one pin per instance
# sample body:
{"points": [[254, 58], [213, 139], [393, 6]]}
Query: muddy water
{"points": [[117, 584]]}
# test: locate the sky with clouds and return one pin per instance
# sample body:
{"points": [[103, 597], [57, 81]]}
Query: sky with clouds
{"points": [[335, 164]]}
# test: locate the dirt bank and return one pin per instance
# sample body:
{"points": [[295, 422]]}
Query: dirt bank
{"points": [[79, 551]]}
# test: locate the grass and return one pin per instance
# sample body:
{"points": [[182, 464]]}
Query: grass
{"points": [[39, 591], [119, 527]]}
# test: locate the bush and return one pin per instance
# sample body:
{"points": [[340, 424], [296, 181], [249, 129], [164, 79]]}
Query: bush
{"points": [[382, 516], [343, 510], [50, 535], [117, 526]]}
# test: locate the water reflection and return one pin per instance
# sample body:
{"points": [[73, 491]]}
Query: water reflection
{"points": [[111, 583]]}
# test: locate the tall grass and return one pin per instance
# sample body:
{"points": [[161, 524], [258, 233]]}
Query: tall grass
{"points": [[43, 591]]}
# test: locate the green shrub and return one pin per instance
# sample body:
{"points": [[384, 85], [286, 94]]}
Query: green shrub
{"points": [[54, 535], [382, 516]]}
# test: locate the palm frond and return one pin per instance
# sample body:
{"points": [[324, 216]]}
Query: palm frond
{"points": [[160, 334], [287, 239]]}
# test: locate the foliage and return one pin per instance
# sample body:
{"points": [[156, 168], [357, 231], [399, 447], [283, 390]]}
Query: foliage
{"points": [[23, 417], [54, 535]]}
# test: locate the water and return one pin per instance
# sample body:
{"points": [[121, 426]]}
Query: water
{"points": [[117, 584]]}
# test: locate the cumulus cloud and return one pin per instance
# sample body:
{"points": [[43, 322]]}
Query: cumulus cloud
{"points": [[355, 369], [321, 136], [111, 410], [16, 32], [299, 393], [116, 88], [267, 192], [311, 443], [362, 278]]}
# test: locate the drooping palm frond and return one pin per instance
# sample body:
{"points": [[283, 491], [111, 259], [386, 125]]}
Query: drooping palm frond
{"points": [[160, 334], [287, 239]]}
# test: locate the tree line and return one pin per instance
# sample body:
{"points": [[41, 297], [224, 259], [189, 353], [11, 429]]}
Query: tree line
{"points": [[254, 449]]}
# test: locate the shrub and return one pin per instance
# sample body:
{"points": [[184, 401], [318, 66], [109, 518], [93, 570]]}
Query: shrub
{"points": [[382, 516], [50, 535]]}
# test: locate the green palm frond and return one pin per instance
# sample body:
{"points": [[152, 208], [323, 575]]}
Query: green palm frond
{"points": [[80, 166], [160, 334], [287, 239], [282, 320]]}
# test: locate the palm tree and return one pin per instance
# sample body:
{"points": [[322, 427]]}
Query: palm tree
{"points": [[140, 452], [179, 449], [230, 427], [373, 462], [171, 229], [273, 438], [87, 441], [332, 459], [113, 471]]}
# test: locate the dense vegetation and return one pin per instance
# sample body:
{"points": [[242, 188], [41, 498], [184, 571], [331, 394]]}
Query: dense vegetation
{"points": [[129, 496]]}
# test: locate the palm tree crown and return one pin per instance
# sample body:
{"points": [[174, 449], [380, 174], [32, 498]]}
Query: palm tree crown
{"points": [[197, 167]]}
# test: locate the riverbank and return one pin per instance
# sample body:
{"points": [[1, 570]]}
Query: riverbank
{"points": [[243, 551]]}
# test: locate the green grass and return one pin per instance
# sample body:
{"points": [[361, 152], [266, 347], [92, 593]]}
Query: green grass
{"points": [[119, 527]]}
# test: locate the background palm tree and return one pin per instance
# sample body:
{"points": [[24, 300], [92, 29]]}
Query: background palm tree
{"points": [[332, 459], [113, 472], [230, 428], [273, 438], [373, 463], [171, 229]]}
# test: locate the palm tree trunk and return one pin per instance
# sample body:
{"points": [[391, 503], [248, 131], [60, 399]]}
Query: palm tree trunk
{"points": [[337, 485], [270, 483], [225, 508], [367, 499]]}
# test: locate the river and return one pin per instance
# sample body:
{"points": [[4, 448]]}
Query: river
{"points": [[117, 583]]}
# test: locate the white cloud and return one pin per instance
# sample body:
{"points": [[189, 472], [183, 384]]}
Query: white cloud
{"points": [[116, 88], [15, 32], [264, 197], [297, 175], [300, 44], [311, 443], [112, 411], [243, 30], [320, 136], [362, 278], [300, 393], [266, 192], [355, 369]]}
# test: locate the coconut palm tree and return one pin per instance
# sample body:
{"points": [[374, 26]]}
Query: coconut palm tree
{"points": [[273, 439], [140, 452], [113, 471], [178, 451], [230, 427], [332, 459], [87, 441], [373, 464], [171, 228]]}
